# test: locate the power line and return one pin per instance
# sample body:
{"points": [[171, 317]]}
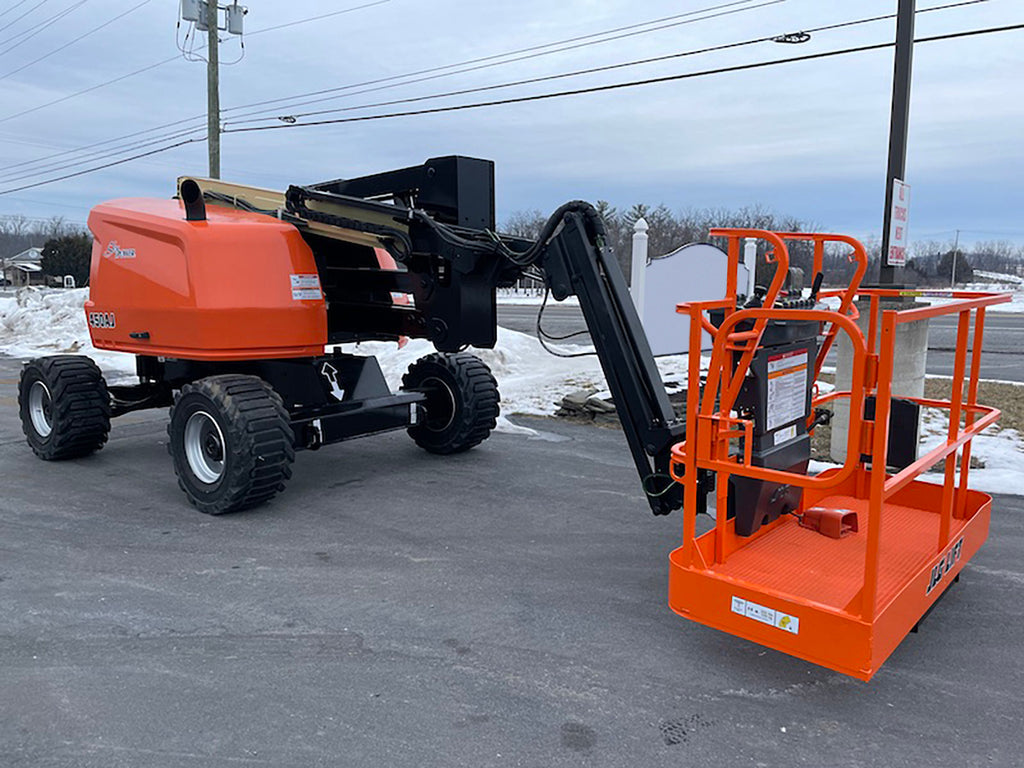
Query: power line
{"points": [[88, 90], [506, 61], [75, 40], [532, 48], [111, 82], [316, 18], [629, 84], [31, 32], [105, 165], [112, 152], [10, 24], [195, 118], [176, 134], [99, 155], [20, 2], [589, 71], [540, 97]]}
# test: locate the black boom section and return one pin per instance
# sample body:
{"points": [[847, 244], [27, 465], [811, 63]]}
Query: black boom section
{"points": [[453, 189], [575, 262]]}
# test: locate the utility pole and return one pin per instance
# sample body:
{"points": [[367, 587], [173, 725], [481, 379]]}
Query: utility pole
{"points": [[213, 89], [205, 15], [898, 123]]}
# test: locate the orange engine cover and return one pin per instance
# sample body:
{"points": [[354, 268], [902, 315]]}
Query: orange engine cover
{"points": [[237, 286]]}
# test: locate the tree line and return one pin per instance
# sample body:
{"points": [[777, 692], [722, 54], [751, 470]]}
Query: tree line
{"points": [[930, 263], [67, 247]]}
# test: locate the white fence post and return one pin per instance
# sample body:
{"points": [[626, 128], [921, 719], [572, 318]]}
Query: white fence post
{"points": [[750, 260], [638, 265]]}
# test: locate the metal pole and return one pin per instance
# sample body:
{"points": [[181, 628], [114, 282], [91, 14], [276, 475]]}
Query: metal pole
{"points": [[898, 123], [213, 90]]}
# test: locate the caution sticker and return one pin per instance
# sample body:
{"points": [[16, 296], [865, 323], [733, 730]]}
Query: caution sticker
{"points": [[784, 434], [784, 621], [306, 287]]}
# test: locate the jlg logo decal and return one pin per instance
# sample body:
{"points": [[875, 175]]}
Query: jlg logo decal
{"points": [[944, 565], [117, 252], [102, 320]]}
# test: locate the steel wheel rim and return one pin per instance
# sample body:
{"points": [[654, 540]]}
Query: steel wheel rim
{"points": [[204, 447], [438, 393], [39, 409]]}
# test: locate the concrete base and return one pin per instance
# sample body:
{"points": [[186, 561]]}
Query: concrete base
{"points": [[908, 373]]}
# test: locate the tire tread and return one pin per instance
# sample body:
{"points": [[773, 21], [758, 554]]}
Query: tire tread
{"points": [[80, 406], [260, 436], [478, 392]]}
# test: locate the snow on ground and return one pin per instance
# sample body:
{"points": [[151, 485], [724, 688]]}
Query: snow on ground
{"points": [[529, 379], [998, 449], [1001, 451], [1014, 305], [532, 381], [940, 296], [36, 321], [530, 297]]}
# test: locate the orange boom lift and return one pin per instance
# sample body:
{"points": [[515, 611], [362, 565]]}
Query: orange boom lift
{"points": [[241, 306], [837, 567]]}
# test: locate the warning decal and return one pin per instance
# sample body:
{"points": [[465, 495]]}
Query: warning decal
{"points": [[787, 388], [770, 616], [306, 287]]}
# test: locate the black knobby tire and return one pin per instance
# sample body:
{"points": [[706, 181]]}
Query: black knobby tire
{"points": [[462, 401], [232, 443], [64, 406]]}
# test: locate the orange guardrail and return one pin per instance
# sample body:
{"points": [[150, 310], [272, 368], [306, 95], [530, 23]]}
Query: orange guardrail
{"points": [[719, 441]]}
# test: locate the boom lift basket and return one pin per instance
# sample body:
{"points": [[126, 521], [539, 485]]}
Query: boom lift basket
{"points": [[878, 549]]}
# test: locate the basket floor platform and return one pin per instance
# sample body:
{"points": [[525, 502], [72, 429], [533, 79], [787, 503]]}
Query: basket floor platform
{"points": [[803, 593]]}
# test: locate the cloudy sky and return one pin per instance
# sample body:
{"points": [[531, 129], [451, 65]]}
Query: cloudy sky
{"points": [[806, 139]]}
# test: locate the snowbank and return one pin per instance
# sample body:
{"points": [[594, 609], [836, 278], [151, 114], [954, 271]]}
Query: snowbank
{"points": [[511, 296], [1015, 305], [998, 449], [1000, 278], [39, 321]]}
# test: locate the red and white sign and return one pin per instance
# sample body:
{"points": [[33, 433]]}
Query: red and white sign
{"points": [[898, 221]]}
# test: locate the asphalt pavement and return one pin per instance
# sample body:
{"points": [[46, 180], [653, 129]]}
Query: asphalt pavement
{"points": [[1002, 356], [392, 608]]}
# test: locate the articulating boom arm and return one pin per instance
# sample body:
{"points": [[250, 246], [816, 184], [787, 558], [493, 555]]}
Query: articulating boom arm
{"points": [[455, 270], [576, 262]]}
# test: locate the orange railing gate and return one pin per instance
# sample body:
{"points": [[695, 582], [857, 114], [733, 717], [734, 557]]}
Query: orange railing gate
{"points": [[844, 603]]}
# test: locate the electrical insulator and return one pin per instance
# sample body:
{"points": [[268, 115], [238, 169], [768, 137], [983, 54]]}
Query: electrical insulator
{"points": [[236, 13]]}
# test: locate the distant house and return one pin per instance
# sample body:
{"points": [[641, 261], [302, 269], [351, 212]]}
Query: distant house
{"points": [[24, 269]]}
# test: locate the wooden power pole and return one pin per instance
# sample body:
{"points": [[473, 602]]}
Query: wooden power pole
{"points": [[213, 89]]}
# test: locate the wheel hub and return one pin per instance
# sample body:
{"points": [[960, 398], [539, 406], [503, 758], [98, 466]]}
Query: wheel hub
{"points": [[40, 408], [440, 404], [204, 447]]}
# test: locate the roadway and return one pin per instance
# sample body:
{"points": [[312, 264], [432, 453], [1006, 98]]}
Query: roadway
{"points": [[504, 607], [1002, 356]]}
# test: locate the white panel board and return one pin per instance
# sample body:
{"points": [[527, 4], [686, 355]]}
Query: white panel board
{"points": [[695, 272]]}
